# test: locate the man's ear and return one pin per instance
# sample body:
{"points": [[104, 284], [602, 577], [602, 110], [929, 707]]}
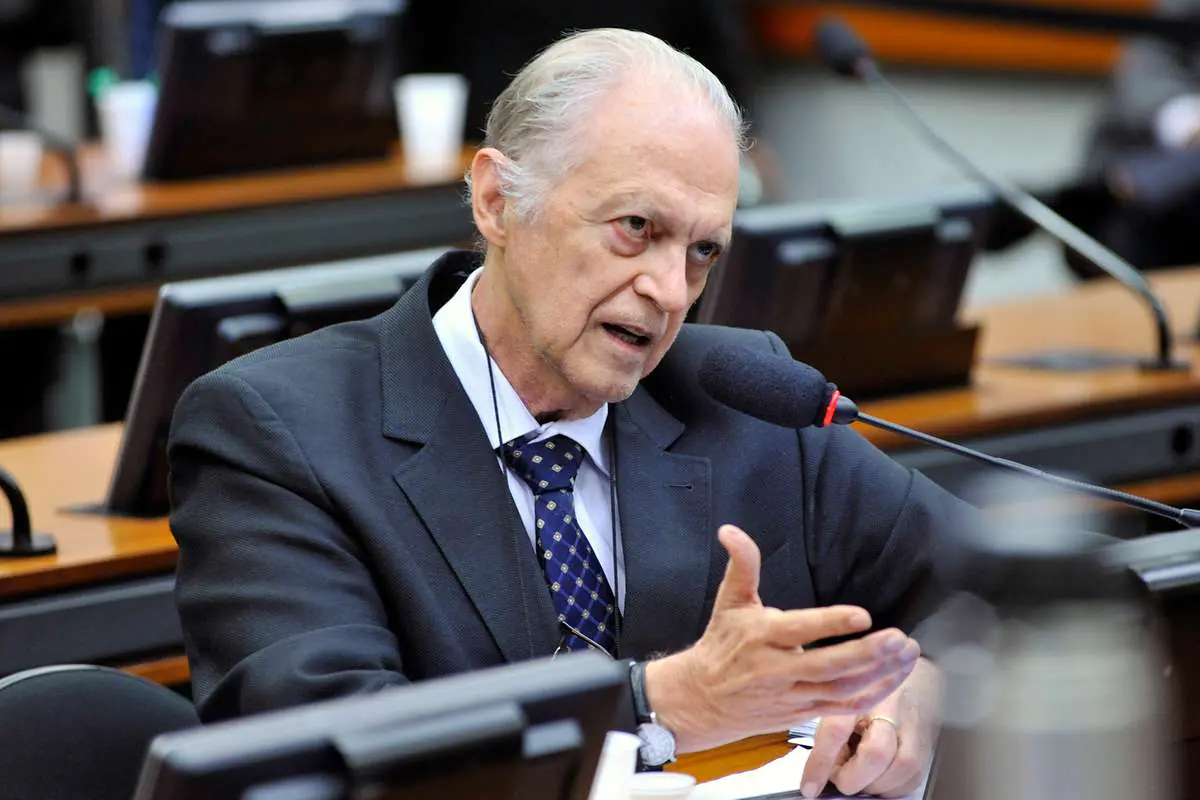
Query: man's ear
{"points": [[488, 202]]}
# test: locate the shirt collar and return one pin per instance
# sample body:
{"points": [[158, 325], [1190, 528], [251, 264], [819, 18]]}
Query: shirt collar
{"points": [[454, 324]]}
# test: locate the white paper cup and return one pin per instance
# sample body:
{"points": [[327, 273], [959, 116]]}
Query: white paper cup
{"points": [[618, 763], [661, 785], [126, 115], [20, 163], [431, 111]]}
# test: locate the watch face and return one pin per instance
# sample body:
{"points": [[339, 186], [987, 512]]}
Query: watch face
{"points": [[658, 745]]}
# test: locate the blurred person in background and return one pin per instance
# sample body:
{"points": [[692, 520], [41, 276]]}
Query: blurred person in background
{"points": [[488, 41], [1145, 149]]}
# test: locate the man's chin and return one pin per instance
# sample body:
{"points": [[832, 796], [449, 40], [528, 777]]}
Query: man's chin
{"points": [[611, 389]]}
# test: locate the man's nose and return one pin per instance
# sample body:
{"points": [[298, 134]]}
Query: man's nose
{"points": [[664, 281]]}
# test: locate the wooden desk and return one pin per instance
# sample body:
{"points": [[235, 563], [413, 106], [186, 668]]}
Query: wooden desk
{"points": [[100, 554], [112, 253]]}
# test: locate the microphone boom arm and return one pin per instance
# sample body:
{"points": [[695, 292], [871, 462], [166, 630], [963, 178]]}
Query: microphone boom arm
{"points": [[1037, 212], [1186, 517]]}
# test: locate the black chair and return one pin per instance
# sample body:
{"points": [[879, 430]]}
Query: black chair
{"points": [[78, 732]]}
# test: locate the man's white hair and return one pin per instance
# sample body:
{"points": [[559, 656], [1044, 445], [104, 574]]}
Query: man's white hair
{"points": [[538, 119]]}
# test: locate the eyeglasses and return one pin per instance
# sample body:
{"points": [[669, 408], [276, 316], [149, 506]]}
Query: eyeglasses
{"points": [[570, 630]]}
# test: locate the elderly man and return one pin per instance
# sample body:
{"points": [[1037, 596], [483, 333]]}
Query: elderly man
{"points": [[516, 460]]}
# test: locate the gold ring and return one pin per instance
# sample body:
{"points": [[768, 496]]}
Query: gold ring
{"points": [[895, 725]]}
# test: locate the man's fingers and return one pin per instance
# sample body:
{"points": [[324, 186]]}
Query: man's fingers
{"points": [[890, 672], [740, 585], [869, 698], [851, 695], [830, 749], [905, 774], [871, 760], [804, 626], [849, 658]]}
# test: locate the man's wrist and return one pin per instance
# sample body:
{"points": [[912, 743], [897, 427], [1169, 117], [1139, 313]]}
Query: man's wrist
{"points": [[676, 705]]}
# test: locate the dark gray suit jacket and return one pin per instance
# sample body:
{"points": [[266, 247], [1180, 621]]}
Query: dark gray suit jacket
{"points": [[343, 525]]}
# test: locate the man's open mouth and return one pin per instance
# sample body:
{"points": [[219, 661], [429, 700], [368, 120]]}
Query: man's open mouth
{"points": [[627, 335]]}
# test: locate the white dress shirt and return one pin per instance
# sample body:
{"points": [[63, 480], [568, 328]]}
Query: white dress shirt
{"points": [[454, 324]]}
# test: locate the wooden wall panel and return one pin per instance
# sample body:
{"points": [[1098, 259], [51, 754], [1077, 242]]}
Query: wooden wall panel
{"points": [[909, 37]]}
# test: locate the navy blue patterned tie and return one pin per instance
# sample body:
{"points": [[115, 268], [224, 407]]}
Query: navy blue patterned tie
{"points": [[582, 595]]}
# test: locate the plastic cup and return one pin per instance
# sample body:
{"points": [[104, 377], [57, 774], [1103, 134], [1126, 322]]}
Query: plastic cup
{"points": [[126, 115], [618, 763], [431, 111], [20, 163]]}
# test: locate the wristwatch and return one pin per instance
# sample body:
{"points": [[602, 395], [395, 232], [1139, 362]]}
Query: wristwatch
{"points": [[658, 743]]}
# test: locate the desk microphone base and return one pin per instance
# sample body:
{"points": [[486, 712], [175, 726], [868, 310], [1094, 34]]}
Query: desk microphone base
{"points": [[1088, 361], [38, 544]]}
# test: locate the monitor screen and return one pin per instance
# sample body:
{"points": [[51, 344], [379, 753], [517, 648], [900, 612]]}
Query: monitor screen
{"points": [[528, 731], [264, 84], [820, 272], [199, 325]]}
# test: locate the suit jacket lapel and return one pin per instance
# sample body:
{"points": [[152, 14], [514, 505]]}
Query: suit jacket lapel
{"points": [[454, 482], [664, 503]]}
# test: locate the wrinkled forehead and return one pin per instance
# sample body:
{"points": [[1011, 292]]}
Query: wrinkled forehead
{"points": [[675, 155]]}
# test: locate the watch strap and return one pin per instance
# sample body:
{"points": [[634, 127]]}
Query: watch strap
{"points": [[637, 682]]}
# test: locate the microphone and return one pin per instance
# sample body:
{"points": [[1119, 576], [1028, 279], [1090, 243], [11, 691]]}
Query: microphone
{"points": [[10, 118], [21, 541], [846, 54], [792, 394]]}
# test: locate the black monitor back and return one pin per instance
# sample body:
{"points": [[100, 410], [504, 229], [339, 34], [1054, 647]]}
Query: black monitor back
{"points": [[529, 731], [199, 325], [251, 85], [841, 277]]}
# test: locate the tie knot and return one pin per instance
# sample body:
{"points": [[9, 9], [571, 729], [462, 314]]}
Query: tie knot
{"points": [[547, 466]]}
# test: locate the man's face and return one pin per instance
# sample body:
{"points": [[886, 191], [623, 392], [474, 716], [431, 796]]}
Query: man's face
{"points": [[603, 275]]}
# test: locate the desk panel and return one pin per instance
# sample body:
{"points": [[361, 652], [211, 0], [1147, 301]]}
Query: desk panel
{"points": [[58, 259], [137, 256]]}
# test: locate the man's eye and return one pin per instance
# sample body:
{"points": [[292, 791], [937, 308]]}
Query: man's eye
{"points": [[636, 227], [705, 252]]}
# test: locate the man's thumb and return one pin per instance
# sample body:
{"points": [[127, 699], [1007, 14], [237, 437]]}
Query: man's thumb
{"points": [[740, 585]]}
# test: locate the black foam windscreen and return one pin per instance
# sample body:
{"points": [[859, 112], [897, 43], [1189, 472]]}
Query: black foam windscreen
{"points": [[840, 48], [766, 386]]}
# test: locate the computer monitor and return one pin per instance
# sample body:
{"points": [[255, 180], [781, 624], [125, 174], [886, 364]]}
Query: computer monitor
{"points": [[843, 277], [810, 271], [249, 85], [198, 325], [528, 731]]}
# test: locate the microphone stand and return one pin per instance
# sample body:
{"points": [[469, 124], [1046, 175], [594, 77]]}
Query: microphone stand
{"points": [[21, 541], [10, 118], [1050, 222]]}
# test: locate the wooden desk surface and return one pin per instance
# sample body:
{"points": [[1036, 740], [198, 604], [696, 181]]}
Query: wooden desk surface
{"points": [[111, 202], [66, 469], [1099, 315]]}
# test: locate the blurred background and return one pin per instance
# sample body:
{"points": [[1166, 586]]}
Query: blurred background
{"points": [[1024, 100]]}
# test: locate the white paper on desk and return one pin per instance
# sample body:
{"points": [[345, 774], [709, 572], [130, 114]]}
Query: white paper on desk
{"points": [[781, 775]]}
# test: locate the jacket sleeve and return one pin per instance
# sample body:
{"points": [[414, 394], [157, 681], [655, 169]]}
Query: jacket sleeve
{"points": [[277, 605], [880, 535]]}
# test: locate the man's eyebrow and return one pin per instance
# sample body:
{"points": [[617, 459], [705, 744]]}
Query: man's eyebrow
{"points": [[661, 215]]}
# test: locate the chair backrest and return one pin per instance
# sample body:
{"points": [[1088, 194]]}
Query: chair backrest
{"points": [[78, 731]]}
